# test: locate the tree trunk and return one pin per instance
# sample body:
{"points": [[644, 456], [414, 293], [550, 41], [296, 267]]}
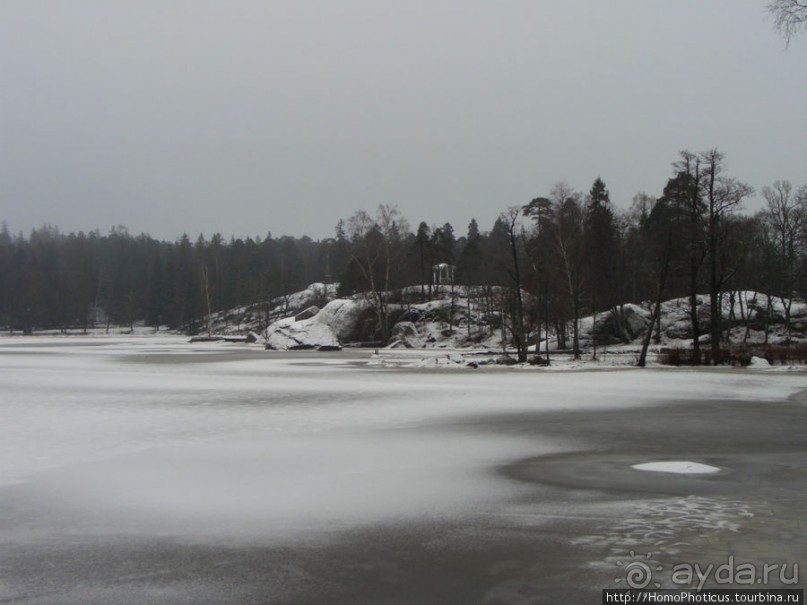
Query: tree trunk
{"points": [[546, 322], [560, 328], [732, 316], [694, 262], [748, 317], [693, 317], [786, 303], [715, 314], [468, 309], [205, 283], [655, 318], [518, 320]]}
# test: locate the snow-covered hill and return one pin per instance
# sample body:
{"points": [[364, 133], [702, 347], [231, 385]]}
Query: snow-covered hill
{"points": [[471, 318], [256, 317]]}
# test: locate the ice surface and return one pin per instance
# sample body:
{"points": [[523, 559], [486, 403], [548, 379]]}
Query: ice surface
{"points": [[234, 440]]}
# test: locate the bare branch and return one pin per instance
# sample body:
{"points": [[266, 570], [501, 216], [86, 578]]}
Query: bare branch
{"points": [[789, 17]]}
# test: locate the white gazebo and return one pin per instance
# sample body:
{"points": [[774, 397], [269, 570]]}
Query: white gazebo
{"points": [[443, 274]]}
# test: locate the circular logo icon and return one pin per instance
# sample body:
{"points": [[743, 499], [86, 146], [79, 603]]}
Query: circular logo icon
{"points": [[638, 573]]}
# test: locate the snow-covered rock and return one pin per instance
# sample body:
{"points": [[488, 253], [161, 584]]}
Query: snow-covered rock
{"points": [[307, 313], [759, 362], [289, 334], [315, 294], [337, 322], [240, 320], [471, 317], [622, 324], [406, 333], [636, 319], [344, 316]]}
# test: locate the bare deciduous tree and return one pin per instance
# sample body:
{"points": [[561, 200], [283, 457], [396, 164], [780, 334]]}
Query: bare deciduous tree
{"points": [[789, 17], [785, 219], [375, 244], [569, 248], [510, 220], [688, 168], [723, 196]]}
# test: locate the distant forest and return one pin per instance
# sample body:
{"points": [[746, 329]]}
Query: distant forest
{"points": [[561, 256]]}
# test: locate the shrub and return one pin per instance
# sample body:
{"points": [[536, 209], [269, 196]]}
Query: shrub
{"points": [[737, 355]]}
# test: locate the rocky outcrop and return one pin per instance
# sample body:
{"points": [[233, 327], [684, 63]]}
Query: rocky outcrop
{"points": [[405, 334], [289, 335], [307, 313], [340, 321]]}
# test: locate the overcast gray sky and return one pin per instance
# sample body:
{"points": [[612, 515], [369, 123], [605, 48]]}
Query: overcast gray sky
{"points": [[255, 116]]}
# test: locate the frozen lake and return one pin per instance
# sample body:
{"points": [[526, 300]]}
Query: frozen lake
{"points": [[149, 470]]}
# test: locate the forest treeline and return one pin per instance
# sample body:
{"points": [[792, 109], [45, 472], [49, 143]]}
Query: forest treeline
{"points": [[561, 256]]}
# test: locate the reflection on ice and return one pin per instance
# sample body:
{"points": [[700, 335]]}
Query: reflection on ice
{"points": [[283, 485]]}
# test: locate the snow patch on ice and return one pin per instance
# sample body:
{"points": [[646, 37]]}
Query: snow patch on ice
{"points": [[680, 467]]}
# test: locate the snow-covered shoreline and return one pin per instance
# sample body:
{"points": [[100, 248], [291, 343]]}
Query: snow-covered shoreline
{"points": [[444, 358], [458, 327]]}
